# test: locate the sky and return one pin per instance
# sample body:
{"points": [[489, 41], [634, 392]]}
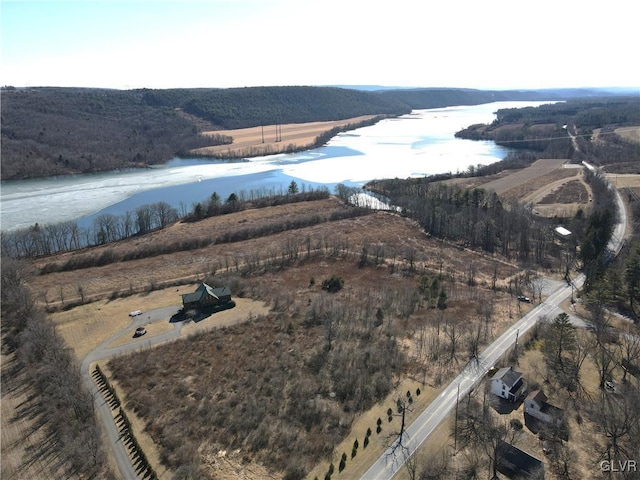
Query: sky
{"points": [[491, 44]]}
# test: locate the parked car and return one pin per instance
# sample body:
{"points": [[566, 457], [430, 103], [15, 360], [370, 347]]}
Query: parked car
{"points": [[135, 313], [522, 298]]}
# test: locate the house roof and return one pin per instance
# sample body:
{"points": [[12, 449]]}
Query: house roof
{"points": [[551, 410], [537, 396], [508, 376], [563, 231], [514, 462], [541, 399], [205, 290]]}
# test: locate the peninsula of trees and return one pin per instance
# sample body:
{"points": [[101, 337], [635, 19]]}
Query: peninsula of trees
{"points": [[52, 131], [593, 122]]}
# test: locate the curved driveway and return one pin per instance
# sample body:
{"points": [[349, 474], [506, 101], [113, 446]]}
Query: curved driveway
{"points": [[103, 352]]}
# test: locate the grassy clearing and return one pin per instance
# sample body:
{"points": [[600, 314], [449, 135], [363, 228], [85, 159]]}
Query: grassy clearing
{"points": [[265, 140]]}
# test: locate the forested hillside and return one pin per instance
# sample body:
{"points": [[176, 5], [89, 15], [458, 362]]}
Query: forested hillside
{"points": [[546, 129], [52, 131], [250, 107]]}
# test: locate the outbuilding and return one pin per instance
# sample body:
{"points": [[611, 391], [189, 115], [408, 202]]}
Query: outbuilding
{"points": [[515, 463]]}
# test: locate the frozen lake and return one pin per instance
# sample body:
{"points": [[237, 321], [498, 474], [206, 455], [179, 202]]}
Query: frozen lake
{"points": [[420, 143]]}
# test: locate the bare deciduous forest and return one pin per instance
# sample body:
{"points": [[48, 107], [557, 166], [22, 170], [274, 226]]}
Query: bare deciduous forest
{"points": [[51, 131], [359, 301]]}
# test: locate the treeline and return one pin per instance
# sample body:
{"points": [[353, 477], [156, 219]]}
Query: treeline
{"points": [[612, 152], [60, 406], [421, 98], [616, 281], [109, 256], [41, 240], [545, 129], [474, 218], [52, 131], [254, 106]]}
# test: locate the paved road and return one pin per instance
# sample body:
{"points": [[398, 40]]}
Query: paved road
{"points": [[389, 463], [120, 454]]}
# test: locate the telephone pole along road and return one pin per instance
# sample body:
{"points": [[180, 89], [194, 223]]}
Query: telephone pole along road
{"points": [[388, 464], [392, 459]]}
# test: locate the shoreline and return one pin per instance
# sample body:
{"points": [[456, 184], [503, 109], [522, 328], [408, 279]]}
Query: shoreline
{"points": [[247, 143], [280, 138]]}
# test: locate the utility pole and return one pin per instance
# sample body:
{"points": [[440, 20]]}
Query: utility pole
{"points": [[455, 435]]}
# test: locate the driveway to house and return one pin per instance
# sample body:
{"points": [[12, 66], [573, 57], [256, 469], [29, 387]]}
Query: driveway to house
{"points": [[395, 456], [121, 456], [244, 309]]}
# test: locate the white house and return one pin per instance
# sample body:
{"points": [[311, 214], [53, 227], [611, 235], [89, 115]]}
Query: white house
{"points": [[536, 405], [508, 384]]}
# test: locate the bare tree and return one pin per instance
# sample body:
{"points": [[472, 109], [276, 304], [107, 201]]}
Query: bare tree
{"points": [[454, 335], [629, 344], [143, 218], [163, 214], [603, 356], [617, 415], [473, 342], [480, 428], [403, 405]]}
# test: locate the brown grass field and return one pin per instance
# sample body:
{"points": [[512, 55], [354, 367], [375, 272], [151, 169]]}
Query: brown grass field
{"points": [[551, 186], [631, 133], [258, 141], [327, 248]]}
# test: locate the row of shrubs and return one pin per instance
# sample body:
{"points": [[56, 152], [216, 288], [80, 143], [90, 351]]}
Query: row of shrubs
{"points": [[110, 256], [356, 444], [139, 459]]}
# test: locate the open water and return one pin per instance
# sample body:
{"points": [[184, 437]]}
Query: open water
{"points": [[420, 143]]}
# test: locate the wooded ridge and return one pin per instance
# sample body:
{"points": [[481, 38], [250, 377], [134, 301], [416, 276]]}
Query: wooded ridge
{"points": [[51, 131], [544, 129]]}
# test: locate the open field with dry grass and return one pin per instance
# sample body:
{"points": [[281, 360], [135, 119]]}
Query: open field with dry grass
{"points": [[631, 133], [621, 181], [551, 186], [280, 275], [272, 139], [335, 250], [529, 179]]}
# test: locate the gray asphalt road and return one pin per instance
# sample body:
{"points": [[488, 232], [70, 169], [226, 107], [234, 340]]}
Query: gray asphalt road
{"points": [[388, 464], [392, 460], [120, 454]]}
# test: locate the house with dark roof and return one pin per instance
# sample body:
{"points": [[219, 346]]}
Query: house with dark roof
{"points": [[206, 296], [514, 463], [537, 406], [508, 384]]}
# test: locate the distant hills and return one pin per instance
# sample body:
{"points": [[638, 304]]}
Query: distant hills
{"points": [[51, 131]]}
